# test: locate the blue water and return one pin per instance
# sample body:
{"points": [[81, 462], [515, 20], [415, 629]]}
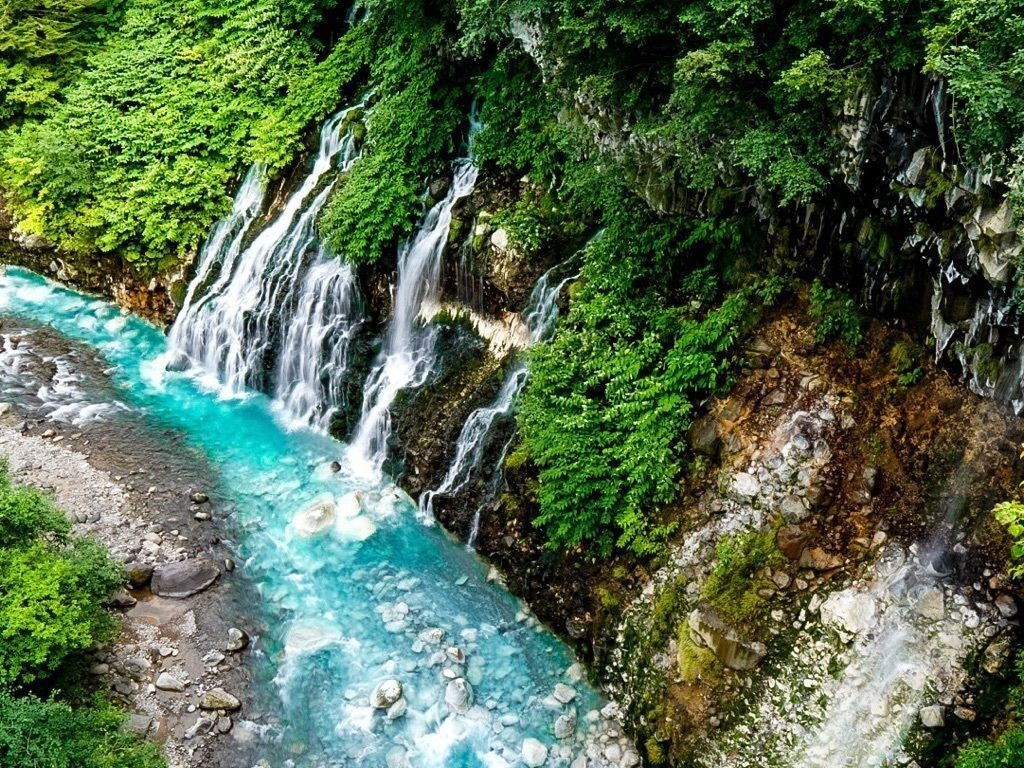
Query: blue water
{"points": [[348, 606]]}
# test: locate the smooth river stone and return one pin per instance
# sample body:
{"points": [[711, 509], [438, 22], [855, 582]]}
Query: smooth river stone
{"points": [[183, 578], [315, 518]]}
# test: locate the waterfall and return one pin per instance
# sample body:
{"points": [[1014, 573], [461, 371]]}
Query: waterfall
{"points": [[281, 291], [469, 448], [542, 307], [408, 349], [539, 316], [314, 354]]}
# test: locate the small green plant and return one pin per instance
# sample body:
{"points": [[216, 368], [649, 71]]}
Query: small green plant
{"points": [[1011, 515], [835, 315], [906, 359]]}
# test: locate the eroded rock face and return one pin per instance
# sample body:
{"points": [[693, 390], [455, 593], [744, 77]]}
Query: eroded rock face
{"points": [[735, 653], [183, 578]]}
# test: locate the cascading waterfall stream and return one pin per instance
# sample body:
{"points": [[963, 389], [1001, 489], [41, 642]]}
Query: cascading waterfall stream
{"points": [[895, 641], [408, 350], [539, 316], [281, 297], [314, 354]]}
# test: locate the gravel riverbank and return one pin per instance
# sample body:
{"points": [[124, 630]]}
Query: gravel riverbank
{"points": [[179, 664]]}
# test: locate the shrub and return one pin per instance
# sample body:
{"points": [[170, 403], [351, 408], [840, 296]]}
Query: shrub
{"points": [[835, 315], [51, 586], [37, 733], [1011, 515], [609, 400]]}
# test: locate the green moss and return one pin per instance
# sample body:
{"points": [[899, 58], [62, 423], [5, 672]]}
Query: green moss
{"points": [[694, 662], [731, 588], [667, 612], [936, 185]]}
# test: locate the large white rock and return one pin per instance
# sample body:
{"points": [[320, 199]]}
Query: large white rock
{"points": [[534, 753], [315, 518], [933, 716], [932, 604], [849, 612], [745, 485]]}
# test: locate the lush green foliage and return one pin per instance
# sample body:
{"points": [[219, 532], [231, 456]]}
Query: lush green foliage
{"points": [[51, 587], [139, 155], [43, 45], [609, 400], [979, 46], [127, 122], [414, 116], [49, 734]]}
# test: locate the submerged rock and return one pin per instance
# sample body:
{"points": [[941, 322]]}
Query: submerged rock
{"points": [[458, 695], [565, 725], [183, 578], [564, 693], [386, 693], [315, 518], [534, 753], [398, 709]]}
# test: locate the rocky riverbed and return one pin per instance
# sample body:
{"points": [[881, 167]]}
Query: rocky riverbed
{"points": [[178, 665]]}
